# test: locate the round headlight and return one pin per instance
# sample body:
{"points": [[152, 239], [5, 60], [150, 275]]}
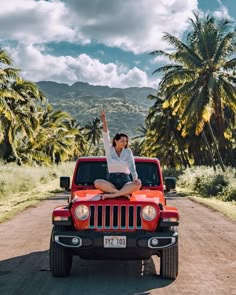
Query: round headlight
{"points": [[82, 212], [149, 213]]}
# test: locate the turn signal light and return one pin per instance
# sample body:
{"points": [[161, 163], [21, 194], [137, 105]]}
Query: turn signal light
{"points": [[60, 218], [171, 219]]}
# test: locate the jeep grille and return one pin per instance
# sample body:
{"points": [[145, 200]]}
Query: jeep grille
{"points": [[115, 217]]}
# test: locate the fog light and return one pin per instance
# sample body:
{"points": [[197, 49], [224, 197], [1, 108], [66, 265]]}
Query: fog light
{"points": [[75, 241], [154, 242]]}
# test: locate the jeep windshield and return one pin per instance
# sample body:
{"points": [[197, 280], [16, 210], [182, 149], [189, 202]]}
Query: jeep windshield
{"points": [[88, 172]]}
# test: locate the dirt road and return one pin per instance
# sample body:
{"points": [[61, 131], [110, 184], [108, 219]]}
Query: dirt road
{"points": [[207, 258]]}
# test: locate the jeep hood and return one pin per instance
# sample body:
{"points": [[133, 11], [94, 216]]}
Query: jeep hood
{"points": [[138, 196]]}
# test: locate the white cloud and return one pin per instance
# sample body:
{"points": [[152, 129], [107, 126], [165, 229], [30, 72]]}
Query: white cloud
{"points": [[131, 25], [35, 21], [160, 59], [222, 12], [66, 69]]}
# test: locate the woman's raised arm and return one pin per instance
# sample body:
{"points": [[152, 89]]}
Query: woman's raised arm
{"points": [[104, 121]]}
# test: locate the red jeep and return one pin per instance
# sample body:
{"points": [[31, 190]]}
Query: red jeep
{"points": [[119, 228]]}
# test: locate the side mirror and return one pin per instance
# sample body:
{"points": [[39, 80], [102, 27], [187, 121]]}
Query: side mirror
{"points": [[65, 182], [170, 183]]}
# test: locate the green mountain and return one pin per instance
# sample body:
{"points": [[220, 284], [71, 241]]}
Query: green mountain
{"points": [[126, 108]]}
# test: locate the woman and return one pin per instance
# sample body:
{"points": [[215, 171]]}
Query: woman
{"points": [[120, 162]]}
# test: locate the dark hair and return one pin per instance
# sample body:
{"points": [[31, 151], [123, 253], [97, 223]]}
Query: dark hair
{"points": [[118, 136]]}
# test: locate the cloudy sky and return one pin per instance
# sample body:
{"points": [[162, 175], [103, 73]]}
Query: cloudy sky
{"points": [[102, 42]]}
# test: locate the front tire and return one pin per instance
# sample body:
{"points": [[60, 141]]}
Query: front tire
{"points": [[60, 258], [169, 261]]}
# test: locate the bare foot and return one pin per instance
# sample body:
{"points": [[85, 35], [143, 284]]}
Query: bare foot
{"points": [[108, 196], [113, 195]]}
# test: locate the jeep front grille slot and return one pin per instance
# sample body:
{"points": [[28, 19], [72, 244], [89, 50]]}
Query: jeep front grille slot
{"points": [[99, 220], [108, 216], [92, 216], [115, 217]]}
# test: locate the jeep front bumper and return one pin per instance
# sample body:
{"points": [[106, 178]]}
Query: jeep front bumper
{"points": [[89, 244]]}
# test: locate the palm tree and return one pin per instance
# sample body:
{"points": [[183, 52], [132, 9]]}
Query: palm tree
{"points": [[31, 131], [14, 116], [201, 82], [55, 139], [162, 125], [94, 132], [24, 121], [139, 140], [80, 146], [7, 74]]}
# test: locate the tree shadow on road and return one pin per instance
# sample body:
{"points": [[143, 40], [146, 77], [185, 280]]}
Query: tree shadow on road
{"points": [[30, 274]]}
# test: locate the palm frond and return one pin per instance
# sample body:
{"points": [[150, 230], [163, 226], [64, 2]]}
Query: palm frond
{"points": [[226, 47], [229, 93], [167, 68], [12, 73], [10, 94], [6, 111], [230, 65], [160, 53], [5, 58], [181, 47]]}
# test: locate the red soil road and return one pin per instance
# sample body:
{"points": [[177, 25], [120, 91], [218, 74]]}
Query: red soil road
{"points": [[207, 258]]}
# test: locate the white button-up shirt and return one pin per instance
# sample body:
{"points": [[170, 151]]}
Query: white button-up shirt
{"points": [[123, 163]]}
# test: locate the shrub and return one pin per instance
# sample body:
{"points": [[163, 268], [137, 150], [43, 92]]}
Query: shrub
{"points": [[228, 194], [207, 182], [210, 185]]}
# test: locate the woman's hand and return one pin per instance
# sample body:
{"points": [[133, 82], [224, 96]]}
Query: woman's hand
{"points": [[103, 115]]}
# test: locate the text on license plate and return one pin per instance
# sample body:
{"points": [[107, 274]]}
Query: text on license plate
{"points": [[114, 241]]}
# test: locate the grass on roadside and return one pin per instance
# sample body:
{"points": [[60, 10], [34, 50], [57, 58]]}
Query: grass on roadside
{"points": [[209, 183], [24, 186], [215, 189], [227, 208]]}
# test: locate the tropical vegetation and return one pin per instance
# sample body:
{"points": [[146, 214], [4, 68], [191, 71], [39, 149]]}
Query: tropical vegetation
{"points": [[30, 130], [192, 120]]}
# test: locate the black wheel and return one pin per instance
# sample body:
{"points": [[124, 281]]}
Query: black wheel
{"points": [[60, 258], [169, 262]]}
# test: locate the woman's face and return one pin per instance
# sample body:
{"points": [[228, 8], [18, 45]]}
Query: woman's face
{"points": [[122, 142]]}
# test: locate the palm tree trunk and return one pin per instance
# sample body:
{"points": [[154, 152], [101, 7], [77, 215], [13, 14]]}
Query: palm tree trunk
{"points": [[209, 149], [219, 124], [183, 154], [216, 148], [5, 147], [89, 148]]}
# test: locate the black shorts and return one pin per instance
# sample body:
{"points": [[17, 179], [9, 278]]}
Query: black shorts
{"points": [[118, 179]]}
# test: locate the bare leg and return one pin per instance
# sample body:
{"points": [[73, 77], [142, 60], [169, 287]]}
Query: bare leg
{"points": [[105, 186], [127, 189]]}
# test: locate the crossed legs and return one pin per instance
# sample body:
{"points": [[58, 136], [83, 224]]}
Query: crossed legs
{"points": [[105, 186], [112, 191]]}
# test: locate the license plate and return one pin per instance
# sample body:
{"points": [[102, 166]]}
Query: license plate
{"points": [[114, 241]]}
